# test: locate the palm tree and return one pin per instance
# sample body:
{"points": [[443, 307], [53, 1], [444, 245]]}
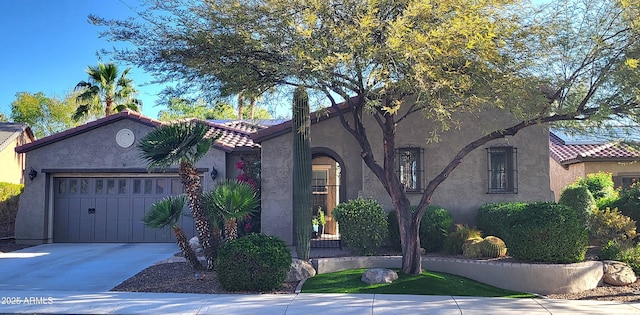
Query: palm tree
{"points": [[185, 143], [232, 200], [166, 212], [105, 87]]}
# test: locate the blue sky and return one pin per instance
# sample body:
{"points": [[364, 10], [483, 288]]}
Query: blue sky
{"points": [[46, 46]]}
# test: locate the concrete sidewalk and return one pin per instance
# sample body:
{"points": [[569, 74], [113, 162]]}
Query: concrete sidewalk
{"points": [[60, 302]]}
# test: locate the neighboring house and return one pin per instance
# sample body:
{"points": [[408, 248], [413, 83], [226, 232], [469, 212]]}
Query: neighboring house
{"points": [[511, 169], [92, 186], [12, 164], [570, 160]]}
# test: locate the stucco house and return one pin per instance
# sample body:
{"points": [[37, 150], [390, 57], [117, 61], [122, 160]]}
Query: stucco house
{"points": [[12, 167], [92, 186], [570, 160], [511, 169]]}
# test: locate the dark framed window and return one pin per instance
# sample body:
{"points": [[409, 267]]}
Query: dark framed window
{"points": [[409, 167], [502, 170]]}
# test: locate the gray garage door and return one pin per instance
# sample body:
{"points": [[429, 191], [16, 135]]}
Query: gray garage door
{"points": [[110, 209]]}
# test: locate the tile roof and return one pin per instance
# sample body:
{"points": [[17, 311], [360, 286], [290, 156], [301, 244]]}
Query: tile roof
{"points": [[10, 131], [235, 134], [285, 127], [567, 154]]}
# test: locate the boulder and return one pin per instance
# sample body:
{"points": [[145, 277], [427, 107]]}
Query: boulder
{"points": [[194, 242], [379, 275], [300, 270], [618, 273]]}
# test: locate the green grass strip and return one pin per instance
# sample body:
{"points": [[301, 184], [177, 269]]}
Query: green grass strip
{"points": [[427, 283]]}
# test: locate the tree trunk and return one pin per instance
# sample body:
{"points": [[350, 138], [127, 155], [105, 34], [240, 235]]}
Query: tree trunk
{"points": [[240, 105], [108, 107], [186, 249], [230, 229], [193, 189], [252, 108], [302, 173], [410, 240]]}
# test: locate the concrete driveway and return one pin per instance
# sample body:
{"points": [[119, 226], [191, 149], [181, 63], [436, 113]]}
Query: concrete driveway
{"points": [[77, 267]]}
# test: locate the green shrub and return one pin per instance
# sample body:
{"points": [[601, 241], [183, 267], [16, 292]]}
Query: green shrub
{"points": [[629, 202], [599, 184], [255, 262], [610, 251], [393, 230], [434, 228], [611, 225], [495, 218], [607, 202], [578, 198], [547, 232], [9, 199], [624, 252], [456, 239], [363, 224]]}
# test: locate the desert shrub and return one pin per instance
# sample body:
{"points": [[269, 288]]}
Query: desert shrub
{"points": [[548, 232], [455, 240], [629, 202], [599, 184], [607, 202], [255, 262], [393, 230], [624, 252], [611, 225], [495, 218], [363, 224], [578, 198], [9, 199], [610, 251]]}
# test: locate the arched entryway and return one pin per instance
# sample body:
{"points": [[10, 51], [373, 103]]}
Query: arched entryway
{"points": [[328, 188]]}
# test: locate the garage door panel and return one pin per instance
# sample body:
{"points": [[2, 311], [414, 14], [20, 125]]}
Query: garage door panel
{"points": [[120, 203]]}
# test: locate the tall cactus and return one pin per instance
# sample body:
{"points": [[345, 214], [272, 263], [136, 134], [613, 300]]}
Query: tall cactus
{"points": [[302, 172]]}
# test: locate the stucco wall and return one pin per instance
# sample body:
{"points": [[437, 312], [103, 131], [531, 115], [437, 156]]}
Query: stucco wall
{"points": [[92, 150], [561, 177], [462, 193], [11, 163], [465, 190]]}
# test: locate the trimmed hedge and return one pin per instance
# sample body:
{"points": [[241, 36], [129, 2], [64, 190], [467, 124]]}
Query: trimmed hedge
{"points": [[580, 199], [495, 218], [547, 232], [255, 262], [363, 224], [434, 228]]}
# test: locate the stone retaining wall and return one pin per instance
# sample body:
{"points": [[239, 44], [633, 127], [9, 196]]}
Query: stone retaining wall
{"points": [[531, 278]]}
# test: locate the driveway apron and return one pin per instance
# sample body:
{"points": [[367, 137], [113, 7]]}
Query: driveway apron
{"points": [[77, 267]]}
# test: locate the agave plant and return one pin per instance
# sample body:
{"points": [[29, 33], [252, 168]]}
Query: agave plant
{"points": [[167, 212], [230, 201], [185, 143]]}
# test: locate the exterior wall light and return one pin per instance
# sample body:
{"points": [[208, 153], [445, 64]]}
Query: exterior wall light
{"points": [[32, 174]]}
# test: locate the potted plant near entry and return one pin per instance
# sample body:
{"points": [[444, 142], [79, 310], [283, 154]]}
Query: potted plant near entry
{"points": [[321, 221], [315, 222]]}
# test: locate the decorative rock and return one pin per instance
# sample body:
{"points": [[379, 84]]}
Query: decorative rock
{"points": [[194, 242], [300, 270], [618, 273], [379, 275]]}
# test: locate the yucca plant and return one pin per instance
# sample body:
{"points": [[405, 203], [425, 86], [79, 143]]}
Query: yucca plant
{"points": [[230, 201], [185, 143], [167, 212]]}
